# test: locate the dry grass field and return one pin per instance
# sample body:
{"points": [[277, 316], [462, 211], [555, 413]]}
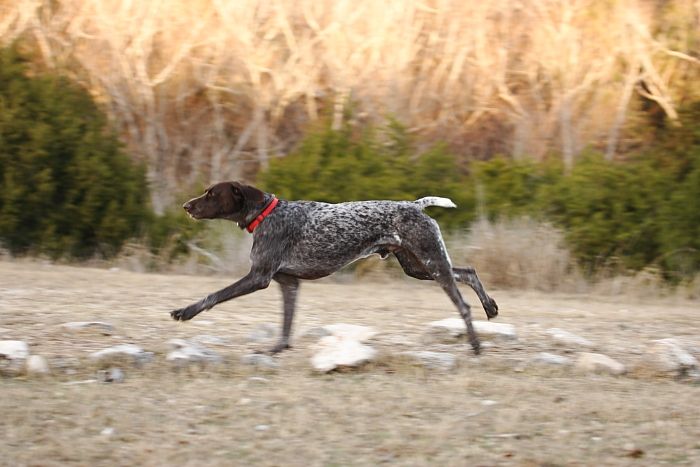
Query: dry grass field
{"points": [[492, 410]]}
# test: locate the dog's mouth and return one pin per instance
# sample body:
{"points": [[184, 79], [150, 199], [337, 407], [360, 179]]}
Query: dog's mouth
{"points": [[192, 213]]}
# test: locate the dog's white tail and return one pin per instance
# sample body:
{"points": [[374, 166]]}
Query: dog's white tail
{"points": [[435, 201]]}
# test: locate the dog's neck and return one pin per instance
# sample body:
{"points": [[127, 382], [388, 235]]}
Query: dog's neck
{"points": [[251, 212]]}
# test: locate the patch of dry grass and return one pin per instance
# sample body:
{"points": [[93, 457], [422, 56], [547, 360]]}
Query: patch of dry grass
{"points": [[521, 253], [389, 412]]}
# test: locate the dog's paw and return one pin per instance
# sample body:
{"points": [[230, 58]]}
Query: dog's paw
{"points": [[491, 308], [279, 347], [184, 314], [476, 345]]}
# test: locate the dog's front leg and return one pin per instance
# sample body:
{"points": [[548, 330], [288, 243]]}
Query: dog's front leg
{"points": [[248, 284], [290, 287]]}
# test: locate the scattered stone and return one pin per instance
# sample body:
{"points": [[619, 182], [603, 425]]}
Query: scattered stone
{"points": [[567, 338], [105, 329], [334, 352], [129, 351], [551, 359], [491, 329], [599, 363], [109, 431], [14, 350], [190, 352], [263, 332], [488, 402], [37, 366], [206, 339], [259, 360], [691, 344], [434, 360], [244, 401], [452, 328], [112, 375], [353, 332], [66, 365], [447, 328], [204, 322], [258, 379], [262, 427], [694, 376], [13, 355], [84, 381], [667, 356]]}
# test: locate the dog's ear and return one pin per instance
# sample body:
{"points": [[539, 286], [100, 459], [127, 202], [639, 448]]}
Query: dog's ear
{"points": [[248, 194]]}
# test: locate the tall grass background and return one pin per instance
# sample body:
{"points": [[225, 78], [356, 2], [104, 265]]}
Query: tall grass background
{"points": [[205, 90], [212, 89]]}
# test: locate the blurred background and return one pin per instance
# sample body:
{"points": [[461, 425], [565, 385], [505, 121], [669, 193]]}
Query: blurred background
{"points": [[568, 132]]}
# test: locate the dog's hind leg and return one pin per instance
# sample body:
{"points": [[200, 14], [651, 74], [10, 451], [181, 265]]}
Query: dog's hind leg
{"points": [[413, 268], [468, 276], [289, 286], [435, 265]]}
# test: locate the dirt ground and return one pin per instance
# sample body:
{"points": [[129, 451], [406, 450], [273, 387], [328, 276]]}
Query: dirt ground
{"points": [[492, 410]]}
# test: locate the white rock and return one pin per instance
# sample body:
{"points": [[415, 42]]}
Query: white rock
{"points": [[190, 352], [568, 338], [456, 327], [599, 363], [37, 365], [207, 339], [263, 332], [136, 353], [109, 431], [489, 328], [14, 350], [258, 379], [113, 375], [333, 352], [204, 322], [105, 329], [259, 360], [353, 332], [433, 360], [551, 359], [668, 356]]}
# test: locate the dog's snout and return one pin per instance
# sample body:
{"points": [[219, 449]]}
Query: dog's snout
{"points": [[187, 206]]}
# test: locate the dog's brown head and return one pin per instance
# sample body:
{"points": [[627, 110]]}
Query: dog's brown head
{"points": [[226, 200]]}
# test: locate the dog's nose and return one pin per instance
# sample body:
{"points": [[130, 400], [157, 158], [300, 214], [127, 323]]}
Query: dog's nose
{"points": [[187, 206]]}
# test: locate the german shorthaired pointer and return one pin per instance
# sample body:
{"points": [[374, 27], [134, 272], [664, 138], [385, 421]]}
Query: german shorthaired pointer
{"points": [[295, 240]]}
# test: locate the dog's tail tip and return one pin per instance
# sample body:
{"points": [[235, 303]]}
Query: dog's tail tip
{"points": [[435, 201]]}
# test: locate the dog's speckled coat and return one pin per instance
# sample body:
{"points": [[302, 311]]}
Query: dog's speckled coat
{"points": [[310, 240]]}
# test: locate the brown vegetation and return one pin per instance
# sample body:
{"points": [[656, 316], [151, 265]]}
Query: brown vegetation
{"points": [[392, 412], [212, 89]]}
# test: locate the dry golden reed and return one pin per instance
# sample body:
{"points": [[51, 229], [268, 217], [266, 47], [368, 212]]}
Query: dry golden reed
{"points": [[211, 89]]}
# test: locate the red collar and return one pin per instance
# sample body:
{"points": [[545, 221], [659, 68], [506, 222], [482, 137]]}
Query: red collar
{"points": [[271, 205]]}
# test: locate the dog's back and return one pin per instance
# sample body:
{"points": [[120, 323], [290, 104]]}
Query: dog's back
{"points": [[320, 237]]}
